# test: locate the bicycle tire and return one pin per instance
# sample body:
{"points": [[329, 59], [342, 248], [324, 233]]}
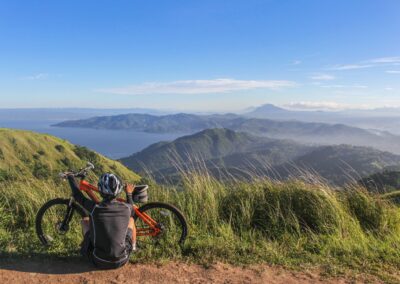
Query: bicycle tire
{"points": [[42, 211], [174, 210]]}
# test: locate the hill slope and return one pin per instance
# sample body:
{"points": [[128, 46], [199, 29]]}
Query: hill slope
{"points": [[341, 164], [386, 181], [28, 155], [239, 154], [215, 148]]}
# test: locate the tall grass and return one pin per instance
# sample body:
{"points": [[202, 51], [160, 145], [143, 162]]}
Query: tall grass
{"points": [[287, 223]]}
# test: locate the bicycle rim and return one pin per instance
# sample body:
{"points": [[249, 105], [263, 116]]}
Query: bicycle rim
{"points": [[55, 235], [172, 230]]}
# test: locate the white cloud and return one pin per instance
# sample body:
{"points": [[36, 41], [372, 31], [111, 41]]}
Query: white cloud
{"points": [[351, 66], [344, 86], [395, 59], [39, 76], [389, 89], [310, 105], [375, 62], [296, 62], [393, 71], [322, 77], [198, 87]]}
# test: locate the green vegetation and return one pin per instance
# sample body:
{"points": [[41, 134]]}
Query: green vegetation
{"points": [[382, 182], [291, 223], [27, 155], [228, 154], [215, 147]]}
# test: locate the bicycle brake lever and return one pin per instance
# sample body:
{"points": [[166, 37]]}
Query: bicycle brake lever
{"points": [[62, 175]]}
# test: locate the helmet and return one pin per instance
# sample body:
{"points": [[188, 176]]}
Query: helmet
{"points": [[109, 185]]}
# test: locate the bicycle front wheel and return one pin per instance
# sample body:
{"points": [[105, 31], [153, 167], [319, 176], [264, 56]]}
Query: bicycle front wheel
{"points": [[58, 224], [160, 224]]}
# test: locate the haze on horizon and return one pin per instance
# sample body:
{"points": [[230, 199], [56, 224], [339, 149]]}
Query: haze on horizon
{"points": [[200, 56]]}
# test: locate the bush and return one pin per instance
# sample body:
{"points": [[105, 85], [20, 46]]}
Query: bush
{"points": [[89, 156], [278, 209], [41, 171], [67, 163], [6, 175], [373, 214], [60, 148]]}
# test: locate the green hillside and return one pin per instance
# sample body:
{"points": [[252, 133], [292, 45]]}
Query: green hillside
{"points": [[29, 167], [382, 182], [341, 164], [25, 155], [292, 224], [222, 148], [226, 154]]}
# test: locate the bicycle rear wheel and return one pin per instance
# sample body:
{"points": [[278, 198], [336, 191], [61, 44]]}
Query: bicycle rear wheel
{"points": [[171, 225], [58, 224]]}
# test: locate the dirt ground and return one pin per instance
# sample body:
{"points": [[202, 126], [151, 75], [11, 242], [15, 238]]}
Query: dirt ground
{"points": [[61, 271]]}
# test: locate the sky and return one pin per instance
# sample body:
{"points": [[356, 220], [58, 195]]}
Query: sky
{"points": [[208, 55]]}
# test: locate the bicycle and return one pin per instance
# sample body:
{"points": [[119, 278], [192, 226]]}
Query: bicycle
{"points": [[160, 223]]}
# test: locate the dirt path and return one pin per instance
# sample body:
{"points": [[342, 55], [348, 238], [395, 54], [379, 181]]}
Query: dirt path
{"points": [[28, 271]]}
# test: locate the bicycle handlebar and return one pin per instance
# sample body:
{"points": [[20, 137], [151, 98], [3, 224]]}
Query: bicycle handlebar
{"points": [[80, 173]]}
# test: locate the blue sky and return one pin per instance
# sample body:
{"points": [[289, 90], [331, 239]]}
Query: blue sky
{"points": [[200, 55]]}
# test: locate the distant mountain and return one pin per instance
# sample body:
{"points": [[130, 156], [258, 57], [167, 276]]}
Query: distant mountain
{"points": [[303, 132], [340, 164], [149, 123], [214, 148], [318, 133], [267, 110], [226, 153], [385, 119]]}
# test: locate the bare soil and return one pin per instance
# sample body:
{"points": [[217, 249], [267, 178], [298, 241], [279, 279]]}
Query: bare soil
{"points": [[67, 271]]}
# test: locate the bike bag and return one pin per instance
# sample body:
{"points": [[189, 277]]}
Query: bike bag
{"points": [[140, 194]]}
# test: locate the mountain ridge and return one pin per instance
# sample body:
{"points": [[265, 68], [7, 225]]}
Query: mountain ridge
{"points": [[243, 153], [303, 132]]}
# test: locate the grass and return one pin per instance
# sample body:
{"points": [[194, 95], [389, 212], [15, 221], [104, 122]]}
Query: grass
{"points": [[292, 224]]}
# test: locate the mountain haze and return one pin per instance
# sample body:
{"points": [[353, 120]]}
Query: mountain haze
{"points": [[238, 154], [303, 132], [216, 147]]}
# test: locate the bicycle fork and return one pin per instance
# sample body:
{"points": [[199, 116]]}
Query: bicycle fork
{"points": [[63, 226]]}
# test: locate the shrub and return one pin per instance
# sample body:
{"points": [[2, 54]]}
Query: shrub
{"points": [[60, 148], [89, 156], [66, 162], [277, 209], [373, 214], [6, 175], [41, 171]]}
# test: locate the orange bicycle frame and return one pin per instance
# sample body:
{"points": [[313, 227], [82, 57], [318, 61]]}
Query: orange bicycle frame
{"points": [[152, 230]]}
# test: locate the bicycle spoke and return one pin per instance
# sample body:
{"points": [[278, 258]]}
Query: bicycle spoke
{"points": [[56, 232], [168, 225]]}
